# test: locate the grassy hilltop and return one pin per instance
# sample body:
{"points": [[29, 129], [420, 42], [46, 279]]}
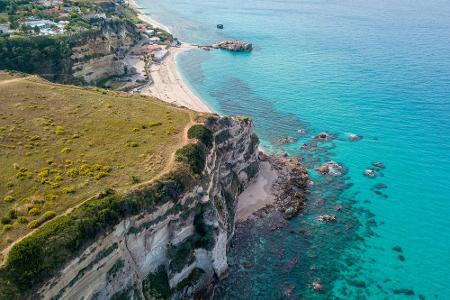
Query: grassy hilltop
{"points": [[60, 145]]}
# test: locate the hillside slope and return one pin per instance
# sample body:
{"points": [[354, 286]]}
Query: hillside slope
{"points": [[60, 145]]}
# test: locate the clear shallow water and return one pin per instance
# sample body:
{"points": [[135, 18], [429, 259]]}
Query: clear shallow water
{"points": [[381, 70]]}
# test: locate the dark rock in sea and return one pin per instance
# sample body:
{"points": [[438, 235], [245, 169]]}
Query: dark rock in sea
{"points": [[302, 131], [370, 173], [330, 168], [352, 137], [398, 249], [317, 285], [326, 218], [357, 283], [324, 137], [234, 46], [285, 140], [288, 290], [378, 164], [219, 26], [401, 258], [247, 264], [380, 186], [407, 292], [421, 297]]}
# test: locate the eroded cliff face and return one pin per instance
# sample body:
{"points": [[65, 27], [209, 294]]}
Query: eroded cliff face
{"points": [[100, 55], [179, 248]]}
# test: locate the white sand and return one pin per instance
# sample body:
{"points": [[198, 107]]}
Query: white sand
{"points": [[169, 86], [259, 194]]}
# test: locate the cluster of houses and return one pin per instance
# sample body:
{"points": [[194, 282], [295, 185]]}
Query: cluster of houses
{"points": [[46, 27]]}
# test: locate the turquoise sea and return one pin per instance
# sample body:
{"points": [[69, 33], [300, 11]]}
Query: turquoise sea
{"points": [[379, 69]]}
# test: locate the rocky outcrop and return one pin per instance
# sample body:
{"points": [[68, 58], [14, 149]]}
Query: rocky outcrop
{"points": [[100, 55], [235, 46], [178, 249]]}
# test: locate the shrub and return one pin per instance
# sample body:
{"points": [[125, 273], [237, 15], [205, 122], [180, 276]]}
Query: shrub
{"points": [[68, 190], [72, 173], [9, 184], [201, 133], [12, 214], [48, 215], [5, 220], [100, 175], [133, 144], [194, 155], [59, 130], [22, 220], [66, 150], [7, 227], [34, 211], [8, 198], [33, 224], [135, 180]]}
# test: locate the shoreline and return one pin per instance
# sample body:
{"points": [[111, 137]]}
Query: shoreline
{"points": [[168, 83], [169, 86]]}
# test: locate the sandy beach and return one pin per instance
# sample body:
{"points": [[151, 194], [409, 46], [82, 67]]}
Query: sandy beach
{"points": [[259, 194], [168, 84]]}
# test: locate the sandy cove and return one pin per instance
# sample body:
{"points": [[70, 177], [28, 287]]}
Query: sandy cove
{"points": [[168, 85]]}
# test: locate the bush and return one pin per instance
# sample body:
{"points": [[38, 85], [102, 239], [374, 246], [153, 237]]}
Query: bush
{"points": [[48, 215], [194, 155], [8, 198], [33, 224], [68, 190], [34, 211], [5, 221], [201, 133], [7, 227], [22, 220]]}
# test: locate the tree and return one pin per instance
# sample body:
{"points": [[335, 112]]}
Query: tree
{"points": [[36, 29]]}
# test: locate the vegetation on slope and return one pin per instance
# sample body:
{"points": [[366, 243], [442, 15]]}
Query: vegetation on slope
{"points": [[60, 145]]}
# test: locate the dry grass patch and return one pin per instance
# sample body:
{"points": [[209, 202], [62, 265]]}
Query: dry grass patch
{"points": [[60, 145]]}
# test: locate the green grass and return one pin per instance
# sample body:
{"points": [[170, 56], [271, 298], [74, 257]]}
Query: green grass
{"points": [[60, 145]]}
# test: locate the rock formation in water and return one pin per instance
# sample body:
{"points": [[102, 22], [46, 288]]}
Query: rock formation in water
{"points": [[235, 46]]}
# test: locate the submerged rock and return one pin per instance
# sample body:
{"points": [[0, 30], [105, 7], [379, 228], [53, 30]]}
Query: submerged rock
{"points": [[378, 164], [354, 137], [235, 46], [302, 131], [326, 218], [286, 140], [324, 137], [397, 249], [330, 168], [370, 173], [247, 264], [317, 285]]}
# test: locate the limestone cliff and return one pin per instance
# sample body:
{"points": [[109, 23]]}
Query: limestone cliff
{"points": [[179, 248], [100, 55]]}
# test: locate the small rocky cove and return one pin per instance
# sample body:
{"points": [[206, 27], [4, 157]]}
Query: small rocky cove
{"points": [[178, 250]]}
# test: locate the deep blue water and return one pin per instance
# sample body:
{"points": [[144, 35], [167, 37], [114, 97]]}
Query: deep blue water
{"points": [[380, 69]]}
